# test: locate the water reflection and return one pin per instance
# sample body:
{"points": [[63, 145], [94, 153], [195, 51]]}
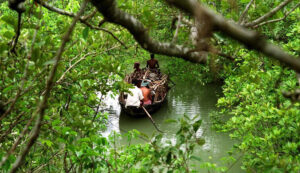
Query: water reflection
{"points": [[112, 107], [185, 98]]}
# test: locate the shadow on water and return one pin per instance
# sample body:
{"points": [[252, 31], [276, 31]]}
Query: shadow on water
{"points": [[189, 98]]}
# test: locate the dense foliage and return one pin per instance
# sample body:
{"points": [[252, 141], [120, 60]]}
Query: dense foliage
{"points": [[260, 117], [253, 108]]}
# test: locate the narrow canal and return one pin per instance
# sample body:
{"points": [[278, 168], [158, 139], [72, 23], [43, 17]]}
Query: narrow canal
{"points": [[184, 98]]}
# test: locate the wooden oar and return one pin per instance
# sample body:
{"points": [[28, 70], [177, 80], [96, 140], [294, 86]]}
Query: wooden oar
{"points": [[153, 122]]}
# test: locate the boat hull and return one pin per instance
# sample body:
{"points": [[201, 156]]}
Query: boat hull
{"points": [[158, 83], [138, 111]]}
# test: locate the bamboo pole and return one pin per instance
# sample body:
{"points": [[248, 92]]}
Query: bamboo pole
{"points": [[153, 122]]}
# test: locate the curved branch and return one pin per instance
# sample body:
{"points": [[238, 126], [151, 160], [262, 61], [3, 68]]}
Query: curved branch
{"points": [[249, 38], [26, 89], [107, 31], [277, 20], [25, 75], [177, 28], [87, 17], [18, 32], [83, 20], [113, 14], [267, 15], [101, 22], [78, 61], [242, 17], [42, 106], [17, 141], [72, 66], [11, 126]]}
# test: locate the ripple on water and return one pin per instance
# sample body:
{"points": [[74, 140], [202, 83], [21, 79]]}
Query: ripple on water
{"points": [[189, 99]]}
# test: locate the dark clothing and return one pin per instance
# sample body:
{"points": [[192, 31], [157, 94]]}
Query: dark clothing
{"points": [[152, 64], [138, 74], [136, 65]]}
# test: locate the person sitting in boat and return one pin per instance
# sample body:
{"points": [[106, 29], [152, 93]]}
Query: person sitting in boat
{"points": [[138, 73], [152, 64], [135, 97], [146, 93]]}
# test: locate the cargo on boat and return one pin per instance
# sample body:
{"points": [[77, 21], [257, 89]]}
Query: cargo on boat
{"points": [[158, 84]]}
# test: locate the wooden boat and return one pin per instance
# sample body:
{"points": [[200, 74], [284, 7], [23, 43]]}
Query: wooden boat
{"points": [[157, 82]]}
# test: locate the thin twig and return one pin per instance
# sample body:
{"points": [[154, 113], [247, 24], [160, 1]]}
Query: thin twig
{"points": [[241, 19], [25, 75], [177, 28], [267, 15], [72, 66], [277, 20], [81, 19], [18, 32], [234, 162], [107, 31], [90, 15], [101, 22], [25, 90], [42, 106], [78, 61], [12, 125], [17, 141], [48, 162]]}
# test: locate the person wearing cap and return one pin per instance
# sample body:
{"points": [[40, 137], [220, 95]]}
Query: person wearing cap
{"points": [[152, 63], [135, 97], [146, 93]]}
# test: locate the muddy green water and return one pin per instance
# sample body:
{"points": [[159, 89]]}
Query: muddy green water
{"points": [[186, 97]]}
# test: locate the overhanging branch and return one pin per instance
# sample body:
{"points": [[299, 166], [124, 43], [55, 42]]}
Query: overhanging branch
{"points": [[249, 38], [113, 14]]}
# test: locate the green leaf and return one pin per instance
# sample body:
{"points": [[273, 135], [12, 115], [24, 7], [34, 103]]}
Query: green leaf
{"points": [[85, 32], [3, 47], [52, 61], [47, 142], [144, 135], [196, 158], [8, 89], [8, 34], [66, 130], [187, 116], [171, 121], [56, 122], [169, 157], [36, 54], [47, 117], [200, 141], [10, 20], [196, 125]]}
